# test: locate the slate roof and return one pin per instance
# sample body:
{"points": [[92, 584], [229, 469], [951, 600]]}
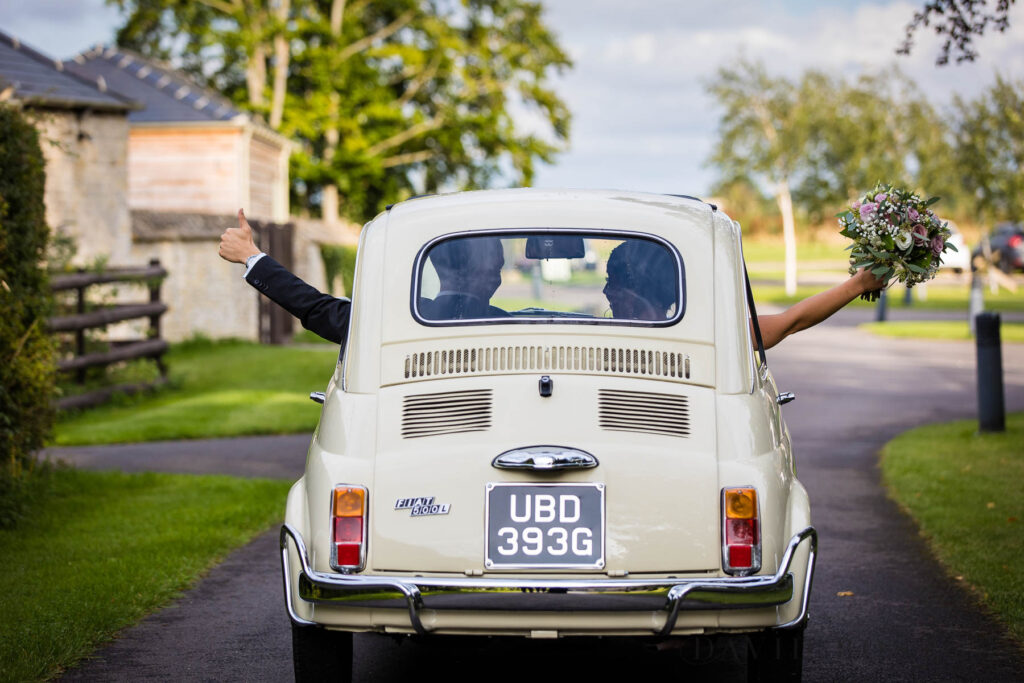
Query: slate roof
{"points": [[168, 95], [34, 79]]}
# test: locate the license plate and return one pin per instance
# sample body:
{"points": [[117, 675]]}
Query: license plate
{"points": [[545, 526]]}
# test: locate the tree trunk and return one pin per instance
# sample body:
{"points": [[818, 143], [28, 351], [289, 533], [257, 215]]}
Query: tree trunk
{"points": [[329, 204], [281, 59], [785, 202], [256, 76], [337, 13]]}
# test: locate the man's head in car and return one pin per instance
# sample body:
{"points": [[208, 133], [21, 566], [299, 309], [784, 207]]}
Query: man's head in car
{"points": [[469, 266]]}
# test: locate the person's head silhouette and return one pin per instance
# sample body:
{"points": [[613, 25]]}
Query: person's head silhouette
{"points": [[641, 281]]}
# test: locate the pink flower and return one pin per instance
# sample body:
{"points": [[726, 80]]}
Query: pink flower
{"points": [[867, 211], [881, 197], [937, 244], [920, 234], [913, 215]]}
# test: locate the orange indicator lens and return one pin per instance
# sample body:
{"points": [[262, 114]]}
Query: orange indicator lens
{"points": [[741, 503], [349, 501]]}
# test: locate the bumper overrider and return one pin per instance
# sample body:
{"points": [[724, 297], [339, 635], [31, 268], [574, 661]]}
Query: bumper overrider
{"points": [[415, 594]]}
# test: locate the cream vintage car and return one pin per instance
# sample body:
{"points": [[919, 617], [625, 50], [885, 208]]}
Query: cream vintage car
{"points": [[595, 449]]}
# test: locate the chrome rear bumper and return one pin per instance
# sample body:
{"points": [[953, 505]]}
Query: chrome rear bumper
{"points": [[551, 595]]}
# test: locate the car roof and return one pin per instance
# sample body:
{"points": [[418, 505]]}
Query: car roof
{"points": [[433, 202]]}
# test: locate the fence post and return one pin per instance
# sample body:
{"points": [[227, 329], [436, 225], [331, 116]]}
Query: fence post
{"points": [[154, 320], [991, 408], [80, 334]]}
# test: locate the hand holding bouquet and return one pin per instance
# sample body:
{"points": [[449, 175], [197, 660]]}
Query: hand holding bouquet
{"points": [[895, 235]]}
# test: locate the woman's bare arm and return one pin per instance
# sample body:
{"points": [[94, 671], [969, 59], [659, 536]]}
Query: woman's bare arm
{"points": [[814, 309]]}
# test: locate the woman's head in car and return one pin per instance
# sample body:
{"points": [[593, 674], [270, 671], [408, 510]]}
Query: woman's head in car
{"points": [[641, 281]]}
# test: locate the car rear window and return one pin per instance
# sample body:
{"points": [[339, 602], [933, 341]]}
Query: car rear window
{"points": [[549, 276]]}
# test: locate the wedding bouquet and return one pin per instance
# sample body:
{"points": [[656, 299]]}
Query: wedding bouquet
{"points": [[895, 235]]}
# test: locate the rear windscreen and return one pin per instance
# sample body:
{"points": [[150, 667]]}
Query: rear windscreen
{"points": [[549, 276]]}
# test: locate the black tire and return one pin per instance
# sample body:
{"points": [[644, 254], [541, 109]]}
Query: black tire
{"points": [[321, 655], [776, 656]]}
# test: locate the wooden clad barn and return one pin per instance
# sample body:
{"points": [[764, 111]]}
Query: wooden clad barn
{"points": [[191, 150]]}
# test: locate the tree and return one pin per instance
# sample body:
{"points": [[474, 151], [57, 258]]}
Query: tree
{"points": [[990, 150], [27, 363], [878, 127], [762, 135], [380, 94], [961, 22]]}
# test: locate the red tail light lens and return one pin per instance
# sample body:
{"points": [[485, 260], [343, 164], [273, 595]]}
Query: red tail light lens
{"points": [[741, 531], [348, 528]]}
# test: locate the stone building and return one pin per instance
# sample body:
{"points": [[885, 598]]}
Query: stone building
{"points": [[193, 160], [83, 132], [142, 163]]}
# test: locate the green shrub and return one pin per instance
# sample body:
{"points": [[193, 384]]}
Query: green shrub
{"points": [[339, 261], [27, 363]]}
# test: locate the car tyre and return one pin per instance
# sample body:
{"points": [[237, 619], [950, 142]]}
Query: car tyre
{"points": [[321, 655], [776, 656]]}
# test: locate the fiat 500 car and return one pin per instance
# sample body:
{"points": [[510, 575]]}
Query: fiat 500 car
{"points": [[552, 417]]}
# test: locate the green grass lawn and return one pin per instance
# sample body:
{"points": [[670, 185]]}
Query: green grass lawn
{"points": [[941, 329], [938, 298], [755, 251], [102, 549], [217, 389], [966, 492]]}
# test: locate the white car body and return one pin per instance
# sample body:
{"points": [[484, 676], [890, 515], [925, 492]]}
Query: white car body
{"points": [[662, 571]]}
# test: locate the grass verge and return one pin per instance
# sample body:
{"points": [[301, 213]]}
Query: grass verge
{"points": [[966, 492], [940, 329], [217, 389], [939, 298], [103, 549]]}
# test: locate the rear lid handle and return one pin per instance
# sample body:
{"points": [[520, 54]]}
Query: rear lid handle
{"points": [[545, 459]]}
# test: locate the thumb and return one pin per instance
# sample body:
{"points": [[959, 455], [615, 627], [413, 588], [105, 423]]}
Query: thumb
{"points": [[243, 224]]}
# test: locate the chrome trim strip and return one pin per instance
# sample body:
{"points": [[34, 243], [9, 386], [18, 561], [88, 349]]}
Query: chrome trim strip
{"points": [[669, 595], [545, 459]]}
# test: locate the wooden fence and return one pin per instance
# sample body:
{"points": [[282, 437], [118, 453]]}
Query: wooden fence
{"points": [[81, 320]]}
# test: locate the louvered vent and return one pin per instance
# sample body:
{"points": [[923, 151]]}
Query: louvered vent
{"points": [[603, 359], [638, 411], [446, 413]]}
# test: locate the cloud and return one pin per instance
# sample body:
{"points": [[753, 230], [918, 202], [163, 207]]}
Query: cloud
{"points": [[637, 92]]}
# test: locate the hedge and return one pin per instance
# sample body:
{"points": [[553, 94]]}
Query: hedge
{"points": [[27, 363]]}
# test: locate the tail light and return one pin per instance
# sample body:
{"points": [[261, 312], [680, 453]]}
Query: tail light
{"points": [[1015, 241], [741, 531], [348, 528]]}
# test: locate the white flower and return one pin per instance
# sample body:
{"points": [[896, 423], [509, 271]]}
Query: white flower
{"points": [[904, 240]]}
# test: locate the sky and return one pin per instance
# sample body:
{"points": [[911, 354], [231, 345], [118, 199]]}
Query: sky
{"points": [[641, 117]]}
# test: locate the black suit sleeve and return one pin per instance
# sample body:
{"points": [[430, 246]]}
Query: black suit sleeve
{"points": [[320, 313]]}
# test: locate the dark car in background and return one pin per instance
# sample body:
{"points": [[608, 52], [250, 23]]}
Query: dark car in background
{"points": [[1006, 245]]}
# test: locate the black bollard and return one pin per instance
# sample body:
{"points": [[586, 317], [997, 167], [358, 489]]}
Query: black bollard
{"points": [[880, 307], [991, 407]]}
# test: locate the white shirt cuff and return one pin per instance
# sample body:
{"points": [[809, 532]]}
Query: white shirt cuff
{"points": [[250, 262]]}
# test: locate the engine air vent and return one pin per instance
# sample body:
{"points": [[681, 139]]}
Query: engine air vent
{"points": [[638, 411], [600, 359], [446, 413]]}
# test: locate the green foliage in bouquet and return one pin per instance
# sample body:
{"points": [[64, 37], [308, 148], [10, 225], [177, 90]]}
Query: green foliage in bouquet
{"points": [[895, 235], [27, 364]]}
